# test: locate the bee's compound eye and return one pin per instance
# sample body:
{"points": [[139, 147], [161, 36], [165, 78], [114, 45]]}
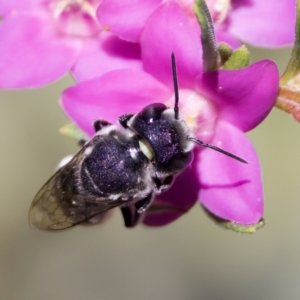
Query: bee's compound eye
{"points": [[152, 112]]}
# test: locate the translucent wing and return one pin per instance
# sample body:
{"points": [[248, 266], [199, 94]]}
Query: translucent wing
{"points": [[62, 202]]}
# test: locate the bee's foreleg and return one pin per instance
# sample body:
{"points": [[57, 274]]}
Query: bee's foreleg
{"points": [[99, 124], [132, 212]]}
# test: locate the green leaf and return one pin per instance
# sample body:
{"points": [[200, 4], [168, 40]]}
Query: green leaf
{"points": [[225, 51], [288, 98], [238, 60], [241, 228], [293, 67], [72, 131], [208, 40]]}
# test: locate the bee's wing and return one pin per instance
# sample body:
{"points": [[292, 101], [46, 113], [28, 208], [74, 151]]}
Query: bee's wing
{"points": [[62, 202]]}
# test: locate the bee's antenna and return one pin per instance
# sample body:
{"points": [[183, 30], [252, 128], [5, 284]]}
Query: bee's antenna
{"points": [[217, 149], [176, 109]]}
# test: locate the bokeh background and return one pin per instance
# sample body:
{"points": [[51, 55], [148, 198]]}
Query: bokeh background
{"points": [[190, 259]]}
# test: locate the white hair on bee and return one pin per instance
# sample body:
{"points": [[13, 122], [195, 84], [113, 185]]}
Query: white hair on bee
{"points": [[64, 161], [88, 150]]}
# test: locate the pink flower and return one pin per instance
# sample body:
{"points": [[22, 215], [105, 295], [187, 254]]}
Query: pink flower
{"points": [[261, 23], [41, 40], [218, 107]]}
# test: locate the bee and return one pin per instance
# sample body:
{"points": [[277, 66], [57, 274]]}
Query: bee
{"points": [[125, 166]]}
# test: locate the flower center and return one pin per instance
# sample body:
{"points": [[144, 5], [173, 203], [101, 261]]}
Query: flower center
{"points": [[199, 113], [218, 9], [76, 17]]}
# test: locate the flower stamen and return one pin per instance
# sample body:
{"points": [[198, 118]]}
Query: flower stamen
{"points": [[76, 17]]}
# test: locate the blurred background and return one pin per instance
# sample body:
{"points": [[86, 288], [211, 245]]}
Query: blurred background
{"points": [[190, 259]]}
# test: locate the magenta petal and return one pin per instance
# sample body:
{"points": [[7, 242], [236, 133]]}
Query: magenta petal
{"points": [[170, 30], [31, 54], [230, 189], [176, 201], [126, 18], [15, 6], [244, 97], [110, 96], [225, 37], [105, 54], [264, 23]]}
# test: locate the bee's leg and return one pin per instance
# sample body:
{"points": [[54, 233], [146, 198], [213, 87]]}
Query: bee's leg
{"points": [[82, 142], [99, 124], [124, 119], [163, 184], [133, 212], [129, 215], [142, 205]]}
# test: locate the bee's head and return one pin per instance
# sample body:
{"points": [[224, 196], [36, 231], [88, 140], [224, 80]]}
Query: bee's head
{"points": [[164, 137]]}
